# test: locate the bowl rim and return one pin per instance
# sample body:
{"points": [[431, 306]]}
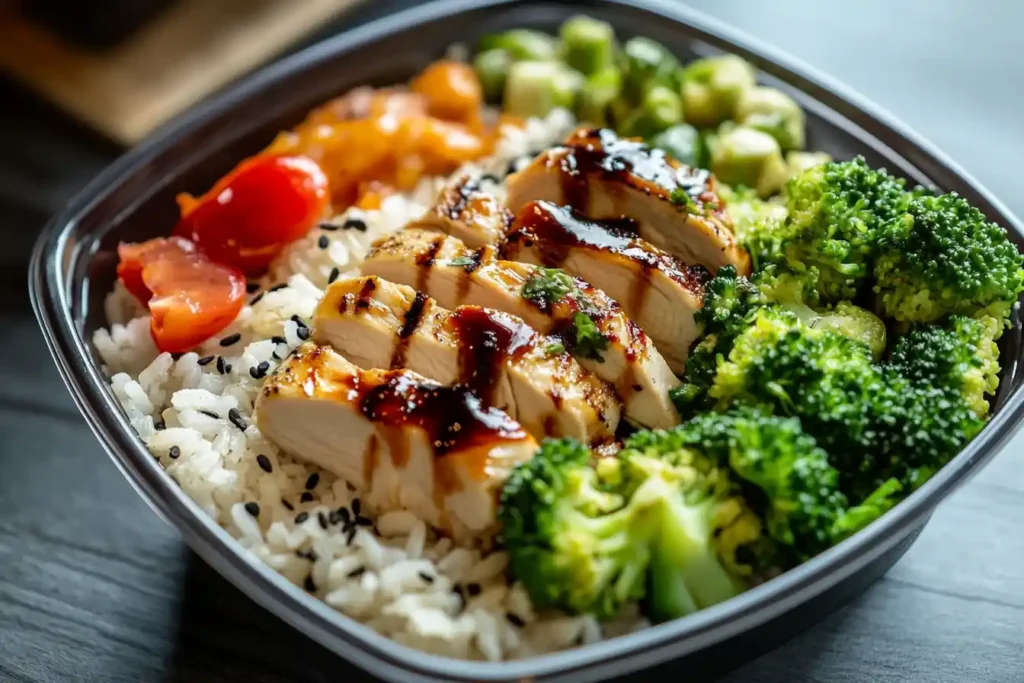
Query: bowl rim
{"points": [[50, 298]]}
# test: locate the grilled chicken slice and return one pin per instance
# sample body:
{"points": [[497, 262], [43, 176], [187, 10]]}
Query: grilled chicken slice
{"points": [[656, 290], [465, 211], [408, 442], [676, 208], [443, 268], [379, 324]]}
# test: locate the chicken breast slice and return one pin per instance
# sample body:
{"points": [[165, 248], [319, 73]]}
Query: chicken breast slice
{"points": [[443, 268], [379, 324], [676, 208], [465, 211], [406, 442], [656, 290]]}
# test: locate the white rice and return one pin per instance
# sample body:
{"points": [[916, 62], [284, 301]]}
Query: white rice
{"points": [[391, 573]]}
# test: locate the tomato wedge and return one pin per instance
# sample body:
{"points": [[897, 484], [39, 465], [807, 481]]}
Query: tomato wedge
{"points": [[190, 298], [252, 213]]}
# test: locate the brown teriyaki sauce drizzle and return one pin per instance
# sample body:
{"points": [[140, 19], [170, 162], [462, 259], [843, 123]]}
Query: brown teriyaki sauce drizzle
{"points": [[487, 340]]}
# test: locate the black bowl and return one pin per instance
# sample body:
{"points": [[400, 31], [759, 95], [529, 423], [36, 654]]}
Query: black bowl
{"points": [[73, 267]]}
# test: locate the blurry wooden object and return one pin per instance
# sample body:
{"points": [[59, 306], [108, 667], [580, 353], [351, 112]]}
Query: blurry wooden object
{"points": [[190, 50]]}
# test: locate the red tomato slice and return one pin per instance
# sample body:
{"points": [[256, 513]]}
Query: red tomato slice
{"points": [[190, 297], [252, 213]]}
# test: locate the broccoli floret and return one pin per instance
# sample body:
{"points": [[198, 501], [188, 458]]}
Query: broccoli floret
{"points": [[834, 214], [695, 556], [749, 212], [961, 355], [657, 522], [874, 423], [943, 257], [729, 304], [575, 543], [805, 509]]}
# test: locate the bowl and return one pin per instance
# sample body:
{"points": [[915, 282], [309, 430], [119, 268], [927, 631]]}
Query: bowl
{"points": [[74, 262]]}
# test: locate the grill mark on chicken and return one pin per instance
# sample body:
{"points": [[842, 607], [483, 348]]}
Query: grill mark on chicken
{"points": [[410, 323], [425, 261], [476, 258], [365, 295], [486, 340]]}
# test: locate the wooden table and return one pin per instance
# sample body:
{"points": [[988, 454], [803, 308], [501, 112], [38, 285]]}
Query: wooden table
{"points": [[94, 587]]}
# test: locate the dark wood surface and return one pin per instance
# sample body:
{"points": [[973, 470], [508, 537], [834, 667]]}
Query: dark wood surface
{"points": [[94, 587]]}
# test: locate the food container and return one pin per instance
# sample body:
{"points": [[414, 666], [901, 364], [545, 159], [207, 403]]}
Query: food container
{"points": [[73, 268]]}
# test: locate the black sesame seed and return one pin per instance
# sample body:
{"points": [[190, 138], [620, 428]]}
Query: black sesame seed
{"points": [[205, 360], [227, 368], [333, 518], [323, 242], [364, 521], [351, 536], [279, 287], [298, 321], [329, 227], [251, 287], [473, 588], [253, 508], [231, 339], [426, 576], [334, 275], [302, 333], [301, 517], [264, 463], [343, 514], [309, 585], [306, 497], [259, 371], [312, 480], [515, 620], [287, 505], [256, 299], [356, 573], [322, 519], [174, 453], [210, 413], [221, 365], [237, 419], [355, 224], [159, 425], [278, 340], [356, 505]]}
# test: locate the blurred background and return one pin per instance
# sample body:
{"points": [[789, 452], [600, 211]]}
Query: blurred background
{"points": [[94, 587]]}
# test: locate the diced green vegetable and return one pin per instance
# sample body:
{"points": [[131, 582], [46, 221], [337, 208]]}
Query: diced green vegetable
{"points": [[599, 91], [683, 143], [798, 162], [535, 88], [522, 44], [588, 45], [492, 69], [646, 63], [745, 156], [774, 112], [712, 86], [661, 107]]}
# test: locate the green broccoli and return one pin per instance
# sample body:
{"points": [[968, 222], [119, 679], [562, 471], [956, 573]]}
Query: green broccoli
{"points": [[961, 355], [729, 304], [573, 542], [874, 423], [749, 212], [835, 212], [805, 510], [943, 257], [656, 522]]}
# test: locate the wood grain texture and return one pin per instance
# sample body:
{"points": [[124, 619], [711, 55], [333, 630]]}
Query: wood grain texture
{"points": [[95, 587]]}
